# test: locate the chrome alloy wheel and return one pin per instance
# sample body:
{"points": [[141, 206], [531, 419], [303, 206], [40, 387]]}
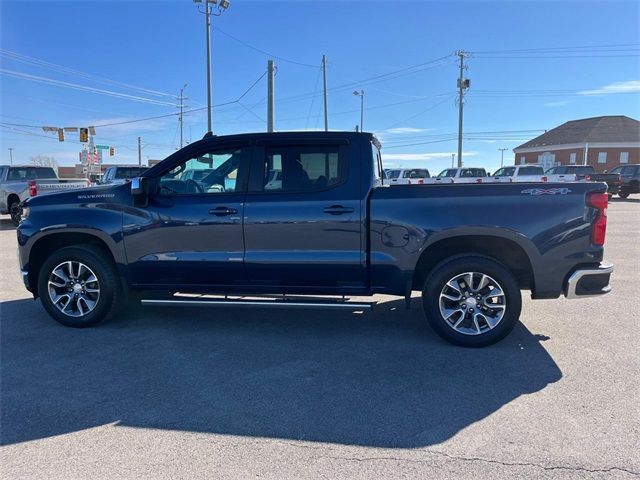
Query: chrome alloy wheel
{"points": [[472, 303], [74, 289]]}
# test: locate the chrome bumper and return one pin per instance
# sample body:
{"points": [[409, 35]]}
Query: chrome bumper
{"points": [[589, 282]]}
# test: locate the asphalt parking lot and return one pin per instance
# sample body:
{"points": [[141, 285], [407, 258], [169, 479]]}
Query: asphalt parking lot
{"points": [[177, 393]]}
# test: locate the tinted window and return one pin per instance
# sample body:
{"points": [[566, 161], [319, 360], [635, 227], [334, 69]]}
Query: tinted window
{"points": [[221, 174], [302, 169], [530, 171], [449, 172], [129, 173], [393, 173], [629, 170], [45, 173], [473, 172], [416, 173], [505, 172], [19, 173]]}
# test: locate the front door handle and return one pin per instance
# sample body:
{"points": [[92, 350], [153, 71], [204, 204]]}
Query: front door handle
{"points": [[338, 210], [223, 211]]}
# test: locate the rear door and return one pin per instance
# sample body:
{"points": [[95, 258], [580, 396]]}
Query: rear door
{"points": [[305, 232]]}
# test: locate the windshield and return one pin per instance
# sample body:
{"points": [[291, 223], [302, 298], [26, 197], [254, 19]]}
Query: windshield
{"points": [[505, 172], [449, 172]]}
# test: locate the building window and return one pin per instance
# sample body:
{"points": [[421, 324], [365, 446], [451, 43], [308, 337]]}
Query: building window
{"points": [[547, 159], [624, 157], [523, 160], [572, 159], [602, 157]]}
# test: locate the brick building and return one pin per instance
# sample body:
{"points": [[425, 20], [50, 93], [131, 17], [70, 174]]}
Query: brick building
{"points": [[604, 142]]}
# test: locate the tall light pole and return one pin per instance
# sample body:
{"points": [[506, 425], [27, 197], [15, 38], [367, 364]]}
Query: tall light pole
{"points": [[502, 150], [360, 93], [221, 6], [11, 155], [463, 84], [182, 99], [325, 94]]}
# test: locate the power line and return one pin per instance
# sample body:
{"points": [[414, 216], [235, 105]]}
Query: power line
{"points": [[252, 47], [542, 49]]}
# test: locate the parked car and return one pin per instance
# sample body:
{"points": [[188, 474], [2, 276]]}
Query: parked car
{"points": [[585, 173], [119, 174], [332, 228], [19, 182], [460, 175], [629, 179], [407, 176]]}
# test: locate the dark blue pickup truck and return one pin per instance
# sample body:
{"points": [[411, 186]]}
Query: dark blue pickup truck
{"points": [[282, 219]]}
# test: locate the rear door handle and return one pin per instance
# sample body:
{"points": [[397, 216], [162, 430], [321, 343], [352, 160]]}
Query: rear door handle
{"points": [[222, 211], [338, 210]]}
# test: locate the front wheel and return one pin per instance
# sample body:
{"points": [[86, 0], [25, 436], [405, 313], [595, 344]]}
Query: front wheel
{"points": [[623, 195], [79, 286], [15, 211], [471, 301]]}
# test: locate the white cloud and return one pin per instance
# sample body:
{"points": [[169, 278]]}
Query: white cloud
{"points": [[561, 103], [618, 87], [402, 130]]}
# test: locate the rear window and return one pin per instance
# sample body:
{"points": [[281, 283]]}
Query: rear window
{"points": [[129, 173], [530, 171], [393, 173], [416, 173], [473, 172]]}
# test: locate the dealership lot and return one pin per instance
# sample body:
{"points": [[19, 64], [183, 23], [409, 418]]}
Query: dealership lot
{"points": [[171, 393]]}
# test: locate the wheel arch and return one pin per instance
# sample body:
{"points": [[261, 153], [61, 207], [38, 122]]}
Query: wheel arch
{"points": [[509, 252]]}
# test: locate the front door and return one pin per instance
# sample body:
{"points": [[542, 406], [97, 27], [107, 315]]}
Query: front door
{"points": [[303, 220], [190, 234]]}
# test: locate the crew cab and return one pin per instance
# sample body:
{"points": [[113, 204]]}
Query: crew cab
{"points": [[629, 179], [331, 227], [460, 175], [20, 182], [407, 176]]}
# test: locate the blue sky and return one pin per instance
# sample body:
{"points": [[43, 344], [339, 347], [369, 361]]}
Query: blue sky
{"points": [[149, 50]]}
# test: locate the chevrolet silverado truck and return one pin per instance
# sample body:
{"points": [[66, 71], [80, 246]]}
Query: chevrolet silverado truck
{"points": [[329, 230], [587, 173], [18, 183]]}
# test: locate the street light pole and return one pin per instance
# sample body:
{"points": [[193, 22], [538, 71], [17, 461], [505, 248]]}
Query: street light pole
{"points": [[182, 98], [502, 150], [360, 93], [11, 155]]}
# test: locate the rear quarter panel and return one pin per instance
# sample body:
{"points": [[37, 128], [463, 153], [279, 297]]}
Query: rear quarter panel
{"points": [[550, 222]]}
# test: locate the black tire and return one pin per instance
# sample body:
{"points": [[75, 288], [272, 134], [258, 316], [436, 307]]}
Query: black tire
{"points": [[450, 269], [15, 211], [609, 196], [111, 295], [623, 195]]}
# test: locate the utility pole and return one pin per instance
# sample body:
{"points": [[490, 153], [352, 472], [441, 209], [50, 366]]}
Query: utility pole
{"points": [[502, 150], [207, 13], [326, 100], [360, 93], [453, 159], [182, 99], [463, 84], [270, 95], [139, 152], [11, 155]]}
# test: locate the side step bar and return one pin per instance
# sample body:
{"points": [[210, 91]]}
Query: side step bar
{"points": [[239, 302]]}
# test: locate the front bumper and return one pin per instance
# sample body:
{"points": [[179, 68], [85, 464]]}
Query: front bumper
{"points": [[589, 282]]}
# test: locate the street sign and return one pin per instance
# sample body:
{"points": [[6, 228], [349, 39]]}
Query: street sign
{"points": [[102, 147]]}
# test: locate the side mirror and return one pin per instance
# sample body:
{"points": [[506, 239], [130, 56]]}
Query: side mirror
{"points": [[139, 191]]}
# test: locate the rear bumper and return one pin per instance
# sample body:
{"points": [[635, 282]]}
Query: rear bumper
{"points": [[589, 282]]}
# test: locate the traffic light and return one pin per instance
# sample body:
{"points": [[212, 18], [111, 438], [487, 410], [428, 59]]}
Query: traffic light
{"points": [[84, 135], [112, 151], [60, 135]]}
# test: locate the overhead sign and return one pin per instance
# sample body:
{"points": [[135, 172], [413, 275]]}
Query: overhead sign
{"points": [[102, 147]]}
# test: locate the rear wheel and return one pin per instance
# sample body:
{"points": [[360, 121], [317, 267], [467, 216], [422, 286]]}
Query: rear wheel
{"points": [[471, 301], [79, 286], [623, 195]]}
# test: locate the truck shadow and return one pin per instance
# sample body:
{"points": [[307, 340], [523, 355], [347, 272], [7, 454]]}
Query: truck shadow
{"points": [[6, 223], [379, 379]]}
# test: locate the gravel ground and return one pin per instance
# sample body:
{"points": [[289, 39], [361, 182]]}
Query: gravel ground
{"points": [[193, 393]]}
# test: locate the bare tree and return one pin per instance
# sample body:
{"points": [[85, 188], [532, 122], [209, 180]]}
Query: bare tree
{"points": [[44, 161]]}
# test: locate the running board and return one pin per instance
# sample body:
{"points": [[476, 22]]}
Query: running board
{"points": [[274, 303]]}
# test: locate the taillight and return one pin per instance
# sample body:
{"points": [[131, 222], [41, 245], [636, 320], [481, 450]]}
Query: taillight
{"points": [[598, 201], [420, 182], [544, 179], [33, 188], [587, 178], [478, 180]]}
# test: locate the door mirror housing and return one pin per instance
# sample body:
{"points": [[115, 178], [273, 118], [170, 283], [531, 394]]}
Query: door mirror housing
{"points": [[140, 191]]}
